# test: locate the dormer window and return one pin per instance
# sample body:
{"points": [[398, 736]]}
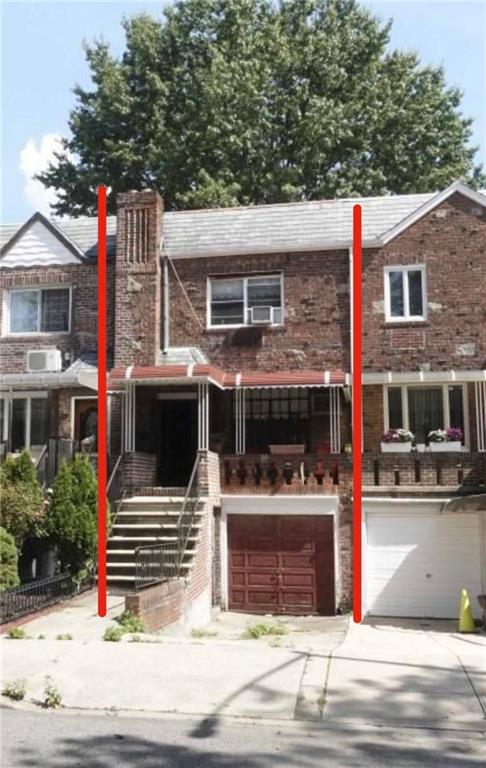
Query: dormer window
{"points": [[39, 310], [405, 296]]}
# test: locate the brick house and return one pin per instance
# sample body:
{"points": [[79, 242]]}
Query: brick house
{"points": [[229, 345]]}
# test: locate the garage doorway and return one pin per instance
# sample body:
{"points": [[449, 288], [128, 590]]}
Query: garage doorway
{"points": [[281, 564]]}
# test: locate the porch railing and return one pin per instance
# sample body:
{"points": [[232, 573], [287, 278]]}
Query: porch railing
{"points": [[39, 594], [188, 510], [156, 563], [115, 488]]}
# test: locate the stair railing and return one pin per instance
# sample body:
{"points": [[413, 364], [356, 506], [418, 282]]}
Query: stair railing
{"points": [[189, 507], [115, 489]]}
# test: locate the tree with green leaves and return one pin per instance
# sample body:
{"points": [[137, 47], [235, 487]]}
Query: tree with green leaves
{"points": [[72, 514], [9, 575], [22, 504], [252, 101]]}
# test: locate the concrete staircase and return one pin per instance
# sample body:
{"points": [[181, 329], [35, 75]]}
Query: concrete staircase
{"points": [[147, 519]]}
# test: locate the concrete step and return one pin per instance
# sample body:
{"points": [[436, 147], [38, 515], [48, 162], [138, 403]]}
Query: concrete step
{"points": [[152, 516]]}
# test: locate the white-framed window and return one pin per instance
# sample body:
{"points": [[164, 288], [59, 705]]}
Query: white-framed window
{"points": [[422, 408], [39, 310], [405, 293], [24, 420], [231, 300]]}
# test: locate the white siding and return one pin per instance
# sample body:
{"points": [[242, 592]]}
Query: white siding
{"points": [[417, 564], [38, 247]]}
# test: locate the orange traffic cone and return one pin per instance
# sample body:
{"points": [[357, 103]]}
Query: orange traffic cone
{"points": [[466, 619]]}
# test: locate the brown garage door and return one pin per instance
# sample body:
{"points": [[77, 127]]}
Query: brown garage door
{"points": [[281, 564]]}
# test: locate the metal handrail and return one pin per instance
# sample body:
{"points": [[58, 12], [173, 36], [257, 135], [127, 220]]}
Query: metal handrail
{"points": [[184, 529], [41, 467], [115, 489]]}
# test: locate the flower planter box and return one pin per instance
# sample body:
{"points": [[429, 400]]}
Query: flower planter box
{"points": [[451, 445], [396, 447], [280, 450]]}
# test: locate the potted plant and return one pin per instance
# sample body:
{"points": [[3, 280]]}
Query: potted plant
{"points": [[397, 441], [445, 439]]}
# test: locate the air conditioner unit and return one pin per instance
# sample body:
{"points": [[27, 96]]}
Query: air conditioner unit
{"points": [[261, 315], [41, 360]]}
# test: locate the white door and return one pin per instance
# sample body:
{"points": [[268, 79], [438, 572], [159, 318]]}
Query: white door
{"points": [[417, 564]]}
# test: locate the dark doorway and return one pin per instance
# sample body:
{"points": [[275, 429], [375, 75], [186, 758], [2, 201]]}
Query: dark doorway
{"points": [[178, 441]]}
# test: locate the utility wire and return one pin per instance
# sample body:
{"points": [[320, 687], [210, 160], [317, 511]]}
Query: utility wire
{"points": [[166, 252]]}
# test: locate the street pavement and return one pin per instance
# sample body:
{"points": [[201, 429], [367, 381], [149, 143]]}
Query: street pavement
{"points": [[59, 740]]}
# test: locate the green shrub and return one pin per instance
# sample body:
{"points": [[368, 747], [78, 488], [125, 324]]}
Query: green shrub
{"points": [[17, 633], [9, 575], [65, 636], [15, 690], [255, 631], [22, 501], [113, 634], [129, 622], [72, 514], [52, 695], [200, 634]]}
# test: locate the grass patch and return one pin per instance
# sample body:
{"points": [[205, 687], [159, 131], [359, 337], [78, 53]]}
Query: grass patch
{"points": [[129, 622], [65, 636], [17, 633], [200, 634], [15, 690], [113, 634], [52, 695], [256, 631]]}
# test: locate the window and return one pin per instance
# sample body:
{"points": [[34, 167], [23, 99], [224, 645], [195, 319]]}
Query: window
{"points": [[422, 409], [25, 420], [405, 293], [231, 300], [45, 310], [276, 416]]}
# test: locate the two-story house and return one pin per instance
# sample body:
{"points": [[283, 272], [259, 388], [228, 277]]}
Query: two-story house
{"points": [[229, 346]]}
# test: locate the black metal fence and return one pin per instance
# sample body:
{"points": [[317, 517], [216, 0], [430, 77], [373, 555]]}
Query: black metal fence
{"points": [[155, 563], [39, 594]]}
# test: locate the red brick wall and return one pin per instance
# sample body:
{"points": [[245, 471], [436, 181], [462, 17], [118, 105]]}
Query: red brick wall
{"points": [[451, 242], [316, 296], [83, 338], [138, 278], [344, 522], [157, 606], [139, 470]]}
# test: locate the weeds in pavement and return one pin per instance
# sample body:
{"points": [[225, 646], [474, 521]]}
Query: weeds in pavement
{"points": [[17, 633], [129, 622], [255, 631], [65, 636], [41, 637], [15, 690], [200, 634], [113, 634], [52, 695]]}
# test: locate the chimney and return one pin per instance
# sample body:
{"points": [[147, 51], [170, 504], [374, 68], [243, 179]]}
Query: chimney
{"points": [[138, 278]]}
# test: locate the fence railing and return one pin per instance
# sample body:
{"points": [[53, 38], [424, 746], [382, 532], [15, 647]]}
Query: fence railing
{"points": [[41, 467], [156, 563], [115, 489], [36, 595]]}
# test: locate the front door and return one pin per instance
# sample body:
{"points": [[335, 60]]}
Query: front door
{"points": [[86, 420], [178, 441]]}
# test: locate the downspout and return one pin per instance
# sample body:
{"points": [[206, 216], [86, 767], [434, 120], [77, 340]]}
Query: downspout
{"points": [[165, 281], [351, 310]]}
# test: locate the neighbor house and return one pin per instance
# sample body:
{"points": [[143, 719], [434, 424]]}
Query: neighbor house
{"points": [[229, 344]]}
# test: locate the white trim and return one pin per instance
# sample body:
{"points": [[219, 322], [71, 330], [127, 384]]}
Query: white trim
{"points": [[480, 403], [425, 377], [335, 419], [245, 279], [423, 210], [7, 333], [406, 317], [28, 396], [203, 416]]}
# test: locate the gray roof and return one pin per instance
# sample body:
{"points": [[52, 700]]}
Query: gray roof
{"points": [[257, 229]]}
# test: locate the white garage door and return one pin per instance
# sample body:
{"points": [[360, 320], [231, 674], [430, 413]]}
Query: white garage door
{"points": [[417, 564]]}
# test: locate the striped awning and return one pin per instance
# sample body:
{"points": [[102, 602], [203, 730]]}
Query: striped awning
{"points": [[214, 375]]}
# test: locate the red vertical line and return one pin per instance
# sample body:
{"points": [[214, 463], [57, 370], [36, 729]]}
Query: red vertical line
{"points": [[357, 414], [102, 365]]}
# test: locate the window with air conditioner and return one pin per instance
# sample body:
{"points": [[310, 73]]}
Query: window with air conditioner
{"points": [[256, 300], [39, 310], [405, 293]]}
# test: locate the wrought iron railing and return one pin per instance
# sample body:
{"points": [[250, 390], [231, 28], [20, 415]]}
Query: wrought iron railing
{"points": [[36, 595], [115, 489], [188, 511], [41, 463], [156, 563]]}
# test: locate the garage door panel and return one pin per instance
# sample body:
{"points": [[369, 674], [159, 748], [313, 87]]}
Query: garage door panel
{"points": [[417, 565], [285, 564]]}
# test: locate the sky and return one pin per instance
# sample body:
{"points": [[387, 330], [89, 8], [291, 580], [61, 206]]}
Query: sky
{"points": [[42, 58]]}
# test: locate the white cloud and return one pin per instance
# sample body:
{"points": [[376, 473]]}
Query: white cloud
{"points": [[33, 160]]}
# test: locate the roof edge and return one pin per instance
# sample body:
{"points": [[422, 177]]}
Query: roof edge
{"points": [[48, 224]]}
